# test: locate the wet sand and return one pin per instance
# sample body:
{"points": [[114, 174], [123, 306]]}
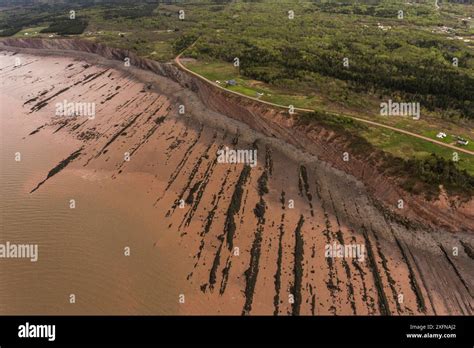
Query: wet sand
{"points": [[279, 266]]}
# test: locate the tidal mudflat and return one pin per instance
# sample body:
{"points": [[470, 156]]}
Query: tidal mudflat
{"points": [[133, 213]]}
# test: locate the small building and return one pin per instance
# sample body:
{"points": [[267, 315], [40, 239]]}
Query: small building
{"points": [[441, 135]]}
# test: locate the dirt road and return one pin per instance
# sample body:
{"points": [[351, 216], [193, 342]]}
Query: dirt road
{"points": [[181, 66]]}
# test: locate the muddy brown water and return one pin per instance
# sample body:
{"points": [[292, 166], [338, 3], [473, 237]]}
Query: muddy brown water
{"points": [[81, 250]]}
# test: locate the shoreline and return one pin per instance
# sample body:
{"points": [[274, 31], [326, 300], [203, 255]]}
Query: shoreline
{"points": [[179, 154], [246, 117]]}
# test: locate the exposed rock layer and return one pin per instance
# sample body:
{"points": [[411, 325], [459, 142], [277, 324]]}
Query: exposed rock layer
{"points": [[279, 266]]}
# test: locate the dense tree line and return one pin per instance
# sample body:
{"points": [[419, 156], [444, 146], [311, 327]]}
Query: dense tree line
{"points": [[435, 170], [66, 27], [429, 79], [183, 42], [132, 12]]}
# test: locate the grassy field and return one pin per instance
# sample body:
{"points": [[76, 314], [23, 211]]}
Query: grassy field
{"points": [[31, 32], [404, 146]]}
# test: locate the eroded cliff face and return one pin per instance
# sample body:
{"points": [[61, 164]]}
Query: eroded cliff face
{"points": [[449, 213], [280, 215]]}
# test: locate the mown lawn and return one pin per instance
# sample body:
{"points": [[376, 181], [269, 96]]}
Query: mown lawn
{"points": [[405, 146], [31, 32]]}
